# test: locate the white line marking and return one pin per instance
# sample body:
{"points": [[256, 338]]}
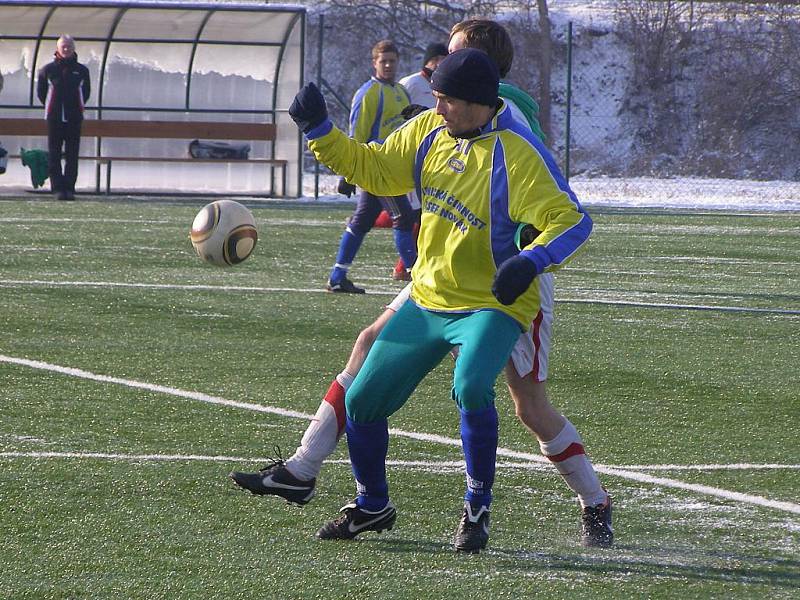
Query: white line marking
{"points": [[540, 465], [426, 437], [457, 465], [132, 457], [378, 292], [711, 467], [169, 286], [35, 364]]}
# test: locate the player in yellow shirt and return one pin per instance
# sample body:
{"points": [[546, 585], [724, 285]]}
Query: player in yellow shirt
{"points": [[480, 174], [375, 112]]}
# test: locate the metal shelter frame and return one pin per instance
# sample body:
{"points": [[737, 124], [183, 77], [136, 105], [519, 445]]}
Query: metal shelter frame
{"points": [[291, 40]]}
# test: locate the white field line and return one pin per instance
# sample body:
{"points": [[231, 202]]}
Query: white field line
{"points": [[378, 292], [426, 437], [422, 464], [709, 467], [455, 465]]}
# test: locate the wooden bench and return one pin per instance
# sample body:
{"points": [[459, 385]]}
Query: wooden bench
{"points": [[187, 130]]}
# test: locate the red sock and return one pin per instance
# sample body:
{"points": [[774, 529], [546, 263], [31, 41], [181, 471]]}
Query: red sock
{"points": [[335, 397]]}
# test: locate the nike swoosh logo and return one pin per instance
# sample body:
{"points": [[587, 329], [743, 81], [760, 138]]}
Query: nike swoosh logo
{"points": [[361, 526], [270, 482]]}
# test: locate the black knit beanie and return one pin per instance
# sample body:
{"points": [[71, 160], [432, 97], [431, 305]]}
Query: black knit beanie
{"points": [[469, 75], [432, 51]]}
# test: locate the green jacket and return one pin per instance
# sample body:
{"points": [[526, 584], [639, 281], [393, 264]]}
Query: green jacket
{"points": [[36, 160], [526, 105]]}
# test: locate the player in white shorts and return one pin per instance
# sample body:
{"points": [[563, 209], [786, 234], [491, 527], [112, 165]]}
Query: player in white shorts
{"points": [[526, 372]]}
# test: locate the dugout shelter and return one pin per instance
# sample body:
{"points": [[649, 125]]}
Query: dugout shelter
{"points": [[165, 61]]}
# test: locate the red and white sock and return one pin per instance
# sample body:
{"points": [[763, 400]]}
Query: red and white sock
{"points": [[321, 436], [566, 453]]}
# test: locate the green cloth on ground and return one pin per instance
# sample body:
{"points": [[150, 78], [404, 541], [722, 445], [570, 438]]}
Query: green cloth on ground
{"points": [[36, 160]]}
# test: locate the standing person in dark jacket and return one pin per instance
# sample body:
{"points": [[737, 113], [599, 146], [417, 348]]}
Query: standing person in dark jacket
{"points": [[64, 88]]}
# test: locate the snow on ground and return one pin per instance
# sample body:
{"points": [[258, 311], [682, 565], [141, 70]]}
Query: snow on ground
{"points": [[589, 13], [687, 193], [632, 192]]}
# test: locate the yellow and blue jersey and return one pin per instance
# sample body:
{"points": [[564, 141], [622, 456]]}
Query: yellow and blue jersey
{"points": [[474, 192], [375, 110]]}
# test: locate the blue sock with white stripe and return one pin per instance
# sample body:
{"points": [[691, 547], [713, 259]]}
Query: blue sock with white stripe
{"points": [[479, 439], [406, 246], [368, 444], [348, 248]]}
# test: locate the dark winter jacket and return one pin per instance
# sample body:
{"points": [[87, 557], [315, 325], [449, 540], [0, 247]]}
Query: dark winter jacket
{"points": [[64, 88]]}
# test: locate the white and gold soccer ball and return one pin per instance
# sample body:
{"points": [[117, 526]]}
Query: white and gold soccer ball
{"points": [[224, 233]]}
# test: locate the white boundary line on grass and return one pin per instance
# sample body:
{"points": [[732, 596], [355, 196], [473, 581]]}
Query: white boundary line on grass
{"points": [[379, 292], [425, 464], [426, 437]]}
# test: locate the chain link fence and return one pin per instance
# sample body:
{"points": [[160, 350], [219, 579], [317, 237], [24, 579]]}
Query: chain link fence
{"points": [[649, 104]]}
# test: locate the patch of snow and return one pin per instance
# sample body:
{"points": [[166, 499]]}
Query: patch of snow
{"points": [[649, 192]]}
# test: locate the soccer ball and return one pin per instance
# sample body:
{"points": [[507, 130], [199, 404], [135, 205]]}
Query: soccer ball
{"points": [[224, 233]]}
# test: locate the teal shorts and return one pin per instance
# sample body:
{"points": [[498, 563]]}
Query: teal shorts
{"points": [[414, 341]]}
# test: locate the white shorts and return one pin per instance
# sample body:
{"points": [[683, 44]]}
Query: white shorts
{"points": [[531, 352]]}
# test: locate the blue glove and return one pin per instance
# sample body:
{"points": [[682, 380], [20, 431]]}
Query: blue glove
{"points": [[512, 279], [346, 188], [308, 109]]}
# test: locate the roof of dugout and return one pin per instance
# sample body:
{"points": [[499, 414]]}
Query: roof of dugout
{"points": [[164, 60]]}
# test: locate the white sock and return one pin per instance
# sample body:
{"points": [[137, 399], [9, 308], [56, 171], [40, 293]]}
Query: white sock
{"points": [[345, 380], [321, 436], [566, 453]]}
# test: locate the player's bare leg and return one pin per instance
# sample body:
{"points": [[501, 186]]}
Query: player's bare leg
{"points": [[560, 442]]}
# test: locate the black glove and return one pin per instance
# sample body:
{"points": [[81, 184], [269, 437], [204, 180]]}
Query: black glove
{"points": [[345, 188], [526, 234], [512, 279], [308, 109], [412, 110]]}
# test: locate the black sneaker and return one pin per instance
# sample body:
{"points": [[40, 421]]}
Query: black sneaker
{"points": [[596, 529], [472, 534], [276, 480], [355, 520], [344, 286]]}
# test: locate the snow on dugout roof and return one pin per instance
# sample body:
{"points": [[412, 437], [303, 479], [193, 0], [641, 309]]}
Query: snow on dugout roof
{"points": [[164, 61]]}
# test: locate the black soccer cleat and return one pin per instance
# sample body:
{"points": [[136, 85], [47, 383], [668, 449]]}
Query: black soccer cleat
{"points": [[276, 480], [355, 520], [472, 533], [596, 529], [344, 286]]}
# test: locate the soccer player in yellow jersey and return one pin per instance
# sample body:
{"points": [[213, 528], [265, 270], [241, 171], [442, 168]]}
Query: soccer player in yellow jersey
{"points": [[479, 174], [374, 113], [526, 371]]}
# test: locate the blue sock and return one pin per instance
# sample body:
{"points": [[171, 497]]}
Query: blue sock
{"points": [[348, 248], [368, 444], [479, 439], [406, 246]]}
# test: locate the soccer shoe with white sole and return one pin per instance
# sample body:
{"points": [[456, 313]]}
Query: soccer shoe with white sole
{"points": [[344, 286], [472, 533], [276, 480], [355, 520], [596, 529]]}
